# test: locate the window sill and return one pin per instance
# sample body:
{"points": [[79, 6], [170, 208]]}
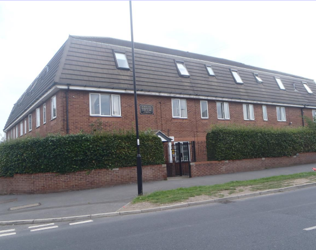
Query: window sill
{"points": [[225, 119], [180, 118], [53, 118], [106, 116]]}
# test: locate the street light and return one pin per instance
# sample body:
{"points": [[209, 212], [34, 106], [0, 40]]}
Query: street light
{"points": [[139, 159]]}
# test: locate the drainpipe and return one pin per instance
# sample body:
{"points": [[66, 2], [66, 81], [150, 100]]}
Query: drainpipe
{"points": [[302, 113], [67, 115]]}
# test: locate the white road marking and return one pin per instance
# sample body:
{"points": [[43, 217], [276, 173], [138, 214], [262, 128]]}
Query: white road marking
{"points": [[7, 231], [25, 206], [43, 228], [80, 222], [309, 228], [1, 235], [43, 225]]}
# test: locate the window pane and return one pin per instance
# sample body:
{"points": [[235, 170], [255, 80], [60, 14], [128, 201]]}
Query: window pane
{"points": [[95, 104], [278, 113], [219, 110], [204, 109], [182, 69], [283, 116], [116, 105], [281, 86], [251, 112], [53, 109], [105, 105], [38, 117], [44, 114], [210, 71], [237, 77], [175, 107], [121, 60], [308, 89], [25, 126], [30, 122], [226, 110], [264, 112], [21, 128], [183, 108]]}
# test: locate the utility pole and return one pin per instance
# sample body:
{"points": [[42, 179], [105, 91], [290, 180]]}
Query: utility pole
{"points": [[139, 159]]}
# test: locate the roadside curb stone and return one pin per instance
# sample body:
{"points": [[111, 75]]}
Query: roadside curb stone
{"points": [[156, 209]]}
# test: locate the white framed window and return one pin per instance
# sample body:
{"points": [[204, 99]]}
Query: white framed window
{"points": [[309, 91], [279, 82], [44, 113], [314, 115], [182, 69], [264, 112], [258, 78], [53, 108], [38, 117], [222, 110], [248, 111], [281, 115], [30, 122], [105, 105], [237, 77], [210, 71], [121, 60], [179, 108], [25, 126], [17, 131], [204, 109], [21, 128]]}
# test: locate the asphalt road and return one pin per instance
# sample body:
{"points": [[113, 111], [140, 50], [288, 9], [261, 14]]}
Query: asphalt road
{"points": [[268, 222]]}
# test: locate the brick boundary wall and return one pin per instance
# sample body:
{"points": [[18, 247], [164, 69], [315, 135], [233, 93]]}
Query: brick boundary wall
{"points": [[234, 166], [52, 182]]}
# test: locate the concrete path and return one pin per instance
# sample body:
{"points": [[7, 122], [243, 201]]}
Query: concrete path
{"points": [[110, 199]]}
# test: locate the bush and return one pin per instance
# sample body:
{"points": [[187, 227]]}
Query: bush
{"points": [[240, 142], [71, 153]]}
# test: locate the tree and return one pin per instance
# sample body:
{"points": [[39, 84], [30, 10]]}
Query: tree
{"points": [[2, 138]]}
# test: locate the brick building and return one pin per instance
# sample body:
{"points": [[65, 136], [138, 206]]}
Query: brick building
{"points": [[180, 94]]}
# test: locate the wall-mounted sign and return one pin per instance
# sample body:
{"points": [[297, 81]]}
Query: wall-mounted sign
{"points": [[146, 109]]}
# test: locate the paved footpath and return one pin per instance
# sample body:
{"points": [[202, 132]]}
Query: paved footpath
{"points": [[110, 199]]}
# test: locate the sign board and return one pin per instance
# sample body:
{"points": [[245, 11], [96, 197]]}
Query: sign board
{"points": [[146, 109]]}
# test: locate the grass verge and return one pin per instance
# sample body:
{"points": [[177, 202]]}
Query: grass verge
{"points": [[182, 194]]}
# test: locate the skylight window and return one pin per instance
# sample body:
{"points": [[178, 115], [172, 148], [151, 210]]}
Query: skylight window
{"points": [[210, 70], [307, 88], [121, 61], [279, 82], [258, 78], [182, 69], [237, 77]]}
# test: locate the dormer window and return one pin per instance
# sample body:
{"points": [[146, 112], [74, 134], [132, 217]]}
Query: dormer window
{"points": [[182, 70], [279, 82], [237, 77], [121, 60], [307, 88], [210, 70], [258, 78]]}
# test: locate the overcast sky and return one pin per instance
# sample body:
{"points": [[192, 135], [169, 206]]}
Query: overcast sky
{"points": [[272, 35]]}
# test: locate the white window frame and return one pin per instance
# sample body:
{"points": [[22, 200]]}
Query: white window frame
{"points": [[38, 117], [258, 78], [25, 126], [249, 113], [21, 128], [281, 114], [314, 115], [309, 91], [210, 70], [183, 113], [201, 107], [182, 71], [236, 76], [44, 113], [29, 117], [279, 82], [17, 131], [116, 60], [224, 107], [264, 113], [53, 105], [112, 106]]}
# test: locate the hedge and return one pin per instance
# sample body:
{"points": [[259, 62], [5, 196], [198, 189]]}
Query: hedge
{"points": [[71, 153], [234, 143]]}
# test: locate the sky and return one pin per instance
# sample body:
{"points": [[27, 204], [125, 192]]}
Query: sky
{"points": [[273, 35]]}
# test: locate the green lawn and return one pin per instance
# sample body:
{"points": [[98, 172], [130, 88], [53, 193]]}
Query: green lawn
{"points": [[182, 194]]}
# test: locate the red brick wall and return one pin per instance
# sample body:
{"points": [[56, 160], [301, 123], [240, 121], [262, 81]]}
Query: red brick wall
{"points": [[225, 167], [191, 129], [50, 182]]}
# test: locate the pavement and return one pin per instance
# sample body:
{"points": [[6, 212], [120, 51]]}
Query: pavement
{"points": [[101, 202]]}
